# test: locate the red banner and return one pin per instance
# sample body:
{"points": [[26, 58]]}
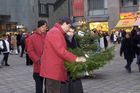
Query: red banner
{"points": [[78, 7]]}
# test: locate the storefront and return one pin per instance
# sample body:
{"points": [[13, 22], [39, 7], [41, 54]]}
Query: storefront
{"points": [[100, 23], [126, 21], [99, 26], [137, 22]]}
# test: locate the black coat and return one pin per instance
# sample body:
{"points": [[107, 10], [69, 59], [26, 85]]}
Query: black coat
{"points": [[136, 43], [73, 43], [72, 86], [127, 47]]}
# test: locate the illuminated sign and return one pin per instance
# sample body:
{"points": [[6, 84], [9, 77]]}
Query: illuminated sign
{"points": [[129, 15]]}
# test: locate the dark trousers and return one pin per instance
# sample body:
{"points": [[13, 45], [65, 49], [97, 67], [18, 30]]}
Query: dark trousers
{"points": [[18, 48], [138, 61], [38, 83], [22, 50], [5, 59], [128, 65], [28, 60], [72, 86], [129, 62], [53, 86]]}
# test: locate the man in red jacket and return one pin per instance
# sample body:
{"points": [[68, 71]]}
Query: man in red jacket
{"points": [[54, 54], [35, 49]]}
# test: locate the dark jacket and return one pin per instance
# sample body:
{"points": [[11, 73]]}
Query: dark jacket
{"points": [[127, 47], [73, 43], [136, 43]]}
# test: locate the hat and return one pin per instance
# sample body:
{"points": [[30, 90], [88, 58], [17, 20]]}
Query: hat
{"points": [[66, 19], [41, 22]]}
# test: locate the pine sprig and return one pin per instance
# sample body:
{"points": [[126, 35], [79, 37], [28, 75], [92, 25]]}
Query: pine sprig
{"points": [[95, 60]]}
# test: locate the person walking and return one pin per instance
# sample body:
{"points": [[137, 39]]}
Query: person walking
{"points": [[137, 48], [127, 48], [54, 54], [35, 45], [5, 46]]}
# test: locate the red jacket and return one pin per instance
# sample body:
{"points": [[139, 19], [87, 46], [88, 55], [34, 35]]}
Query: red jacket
{"points": [[54, 55], [35, 44], [26, 42]]}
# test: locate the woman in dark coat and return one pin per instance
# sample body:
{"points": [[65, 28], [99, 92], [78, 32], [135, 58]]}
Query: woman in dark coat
{"points": [[72, 86], [127, 48]]}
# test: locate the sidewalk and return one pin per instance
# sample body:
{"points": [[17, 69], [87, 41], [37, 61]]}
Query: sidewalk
{"points": [[113, 78]]}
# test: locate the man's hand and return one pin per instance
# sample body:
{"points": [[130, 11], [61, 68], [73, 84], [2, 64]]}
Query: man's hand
{"points": [[80, 59]]}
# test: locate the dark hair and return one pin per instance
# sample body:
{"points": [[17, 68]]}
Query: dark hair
{"points": [[73, 27], [41, 22], [65, 19]]}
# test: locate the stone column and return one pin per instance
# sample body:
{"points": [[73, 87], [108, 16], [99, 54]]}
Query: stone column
{"points": [[113, 12]]}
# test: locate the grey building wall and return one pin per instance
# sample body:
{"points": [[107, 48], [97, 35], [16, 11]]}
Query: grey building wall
{"points": [[21, 11], [54, 16], [113, 12]]}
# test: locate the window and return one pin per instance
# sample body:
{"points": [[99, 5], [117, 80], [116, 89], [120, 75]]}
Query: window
{"points": [[96, 4], [43, 10], [126, 3]]}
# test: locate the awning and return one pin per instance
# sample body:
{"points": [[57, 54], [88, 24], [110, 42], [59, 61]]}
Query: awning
{"points": [[137, 22], [126, 23]]}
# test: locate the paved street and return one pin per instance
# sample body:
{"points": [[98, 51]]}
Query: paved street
{"points": [[111, 79]]}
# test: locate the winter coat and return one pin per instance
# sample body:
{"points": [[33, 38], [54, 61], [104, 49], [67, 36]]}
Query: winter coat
{"points": [[34, 46], [127, 47], [137, 43], [73, 43], [54, 54]]}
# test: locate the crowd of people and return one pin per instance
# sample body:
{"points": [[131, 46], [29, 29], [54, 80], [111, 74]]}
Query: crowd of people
{"points": [[130, 47], [47, 51]]}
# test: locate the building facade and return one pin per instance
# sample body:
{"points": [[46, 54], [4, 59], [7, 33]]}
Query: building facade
{"points": [[20, 15], [53, 10], [105, 14]]}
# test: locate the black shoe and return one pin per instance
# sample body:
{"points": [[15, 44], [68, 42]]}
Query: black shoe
{"points": [[7, 65], [128, 69]]}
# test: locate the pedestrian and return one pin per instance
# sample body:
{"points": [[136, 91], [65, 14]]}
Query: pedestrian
{"points": [[28, 60], [18, 38], [70, 39], [137, 48], [72, 86], [5, 46], [127, 48], [54, 54], [22, 42], [35, 50]]}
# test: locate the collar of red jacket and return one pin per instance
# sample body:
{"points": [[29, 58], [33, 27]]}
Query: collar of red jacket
{"points": [[57, 25], [38, 32]]}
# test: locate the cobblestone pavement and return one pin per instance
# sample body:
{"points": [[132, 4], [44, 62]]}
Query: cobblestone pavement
{"points": [[112, 78]]}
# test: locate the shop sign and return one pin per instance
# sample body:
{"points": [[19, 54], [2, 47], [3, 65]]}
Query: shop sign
{"points": [[138, 14], [129, 15]]}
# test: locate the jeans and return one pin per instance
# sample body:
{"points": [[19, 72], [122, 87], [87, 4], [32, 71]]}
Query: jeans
{"points": [[38, 83]]}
